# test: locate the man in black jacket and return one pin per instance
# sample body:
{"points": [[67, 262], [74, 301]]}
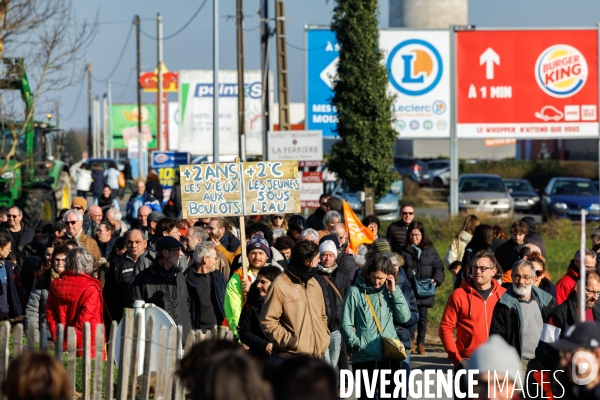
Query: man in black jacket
{"points": [[164, 284], [315, 220], [19, 233], [508, 253], [396, 233]]}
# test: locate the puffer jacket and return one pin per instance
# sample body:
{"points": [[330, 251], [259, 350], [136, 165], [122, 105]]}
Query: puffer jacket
{"points": [[341, 277], [396, 235], [471, 316], [35, 312], [456, 250], [293, 317], [72, 301], [406, 331], [428, 266], [111, 177], [83, 180], [358, 324]]}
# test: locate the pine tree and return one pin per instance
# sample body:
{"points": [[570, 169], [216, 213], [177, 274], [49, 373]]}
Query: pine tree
{"points": [[364, 154]]}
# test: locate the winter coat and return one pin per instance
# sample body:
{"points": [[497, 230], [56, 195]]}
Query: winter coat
{"points": [[164, 289], [111, 177], [358, 324], [428, 266], [508, 253], [341, 277], [217, 296], [83, 180], [396, 234], [27, 235], [155, 189], [456, 250], [91, 246], [547, 286], [566, 284], [507, 320], [127, 172], [72, 301], [35, 312], [15, 309], [532, 237], [315, 220], [293, 317], [251, 334], [147, 200], [497, 242], [406, 331], [97, 182], [173, 208], [471, 316], [230, 242], [234, 299]]}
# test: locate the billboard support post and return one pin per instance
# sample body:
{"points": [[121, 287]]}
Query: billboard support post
{"points": [[453, 138], [215, 81], [598, 27]]}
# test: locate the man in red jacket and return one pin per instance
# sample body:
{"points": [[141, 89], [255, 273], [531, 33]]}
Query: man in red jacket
{"points": [[567, 283], [469, 310]]}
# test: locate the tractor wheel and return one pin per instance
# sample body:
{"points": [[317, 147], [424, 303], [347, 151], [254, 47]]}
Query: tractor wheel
{"points": [[38, 204], [62, 192]]}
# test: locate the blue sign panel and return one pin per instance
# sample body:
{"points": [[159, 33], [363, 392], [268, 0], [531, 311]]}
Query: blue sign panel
{"points": [[166, 163], [322, 59]]}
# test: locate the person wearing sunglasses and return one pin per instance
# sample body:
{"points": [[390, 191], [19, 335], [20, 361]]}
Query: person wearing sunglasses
{"points": [[278, 222], [397, 232], [315, 220], [15, 228], [542, 277]]}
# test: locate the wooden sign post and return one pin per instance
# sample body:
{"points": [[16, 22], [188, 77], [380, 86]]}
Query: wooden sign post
{"points": [[240, 189]]}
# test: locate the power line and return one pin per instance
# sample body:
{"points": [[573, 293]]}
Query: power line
{"points": [[119, 60], [303, 49], [76, 100], [125, 21], [125, 86], [180, 29], [252, 29]]}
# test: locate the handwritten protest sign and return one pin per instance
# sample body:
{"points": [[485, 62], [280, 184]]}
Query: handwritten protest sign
{"points": [[238, 189]]}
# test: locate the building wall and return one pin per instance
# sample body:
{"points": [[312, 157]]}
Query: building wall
{"points": [[427, 13], [467, 149]]}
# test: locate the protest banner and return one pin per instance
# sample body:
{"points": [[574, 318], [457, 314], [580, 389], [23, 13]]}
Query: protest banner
{"points": [[357, 233]]}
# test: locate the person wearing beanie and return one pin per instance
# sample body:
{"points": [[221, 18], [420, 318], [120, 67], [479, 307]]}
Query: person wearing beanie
{"points": [[497, 356], [258, 252], [293, 316], [334, 281]]}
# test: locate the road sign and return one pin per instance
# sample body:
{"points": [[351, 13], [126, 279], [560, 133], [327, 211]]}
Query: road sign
{"points": [[525, 84], [419, 77], [166, 164], [321, 67]]}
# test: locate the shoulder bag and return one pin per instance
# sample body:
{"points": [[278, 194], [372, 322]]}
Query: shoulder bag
{"points": [[392, 348], [424, 287]]}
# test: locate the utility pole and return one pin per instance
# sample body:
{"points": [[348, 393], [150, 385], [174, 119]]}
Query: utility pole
{"points": [[57, 113], [265, 33], [215, 81], [282, 68], [109, 128], [241, 87], [90, 139], [139, 95], [105, 125], [96, 132], [161, 141]]}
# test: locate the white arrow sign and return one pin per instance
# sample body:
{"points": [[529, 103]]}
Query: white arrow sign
{"points": [[329, 74], [489, 58]]}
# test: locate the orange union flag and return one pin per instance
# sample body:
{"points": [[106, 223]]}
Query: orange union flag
{"points": [[357, 232]]}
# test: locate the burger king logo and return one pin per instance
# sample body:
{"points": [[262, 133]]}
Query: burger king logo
{"points": [[561, 71]]}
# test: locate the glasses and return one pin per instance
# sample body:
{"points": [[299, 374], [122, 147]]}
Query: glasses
{"points": [[11, 216], [323, 204], [480, 269], [593, 293], [71, 222], [521, 278], [277, 217], [539, 273], [407, 213], [77, 208]]}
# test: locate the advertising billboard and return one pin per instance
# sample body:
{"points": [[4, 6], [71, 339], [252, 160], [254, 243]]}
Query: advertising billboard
{"points": [[125, 125], [418, 64]]}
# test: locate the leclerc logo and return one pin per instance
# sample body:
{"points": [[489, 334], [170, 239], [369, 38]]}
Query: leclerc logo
{"points": [[561, 71], [415, 67]]}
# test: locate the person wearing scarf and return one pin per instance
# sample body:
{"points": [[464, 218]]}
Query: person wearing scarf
{"points": [[299, 328]]}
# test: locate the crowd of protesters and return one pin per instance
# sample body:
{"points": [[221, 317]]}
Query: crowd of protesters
{"points": [[308, 301]]}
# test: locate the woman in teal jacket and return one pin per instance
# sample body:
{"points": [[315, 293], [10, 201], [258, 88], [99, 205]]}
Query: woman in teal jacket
{"points": [[378, 281]]}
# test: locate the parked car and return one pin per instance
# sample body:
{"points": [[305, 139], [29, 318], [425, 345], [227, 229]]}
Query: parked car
{"points": [[440, 178], [484, 193], [523, 194], [566, 197], [435, 166], [387, 209], [415, 169]]}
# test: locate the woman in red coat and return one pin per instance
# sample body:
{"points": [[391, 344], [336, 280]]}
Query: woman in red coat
{"points": [[75, 298]]}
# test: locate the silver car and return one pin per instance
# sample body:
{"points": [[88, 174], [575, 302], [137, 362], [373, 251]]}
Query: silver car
{"points": [[387, 209], [484, 193]]}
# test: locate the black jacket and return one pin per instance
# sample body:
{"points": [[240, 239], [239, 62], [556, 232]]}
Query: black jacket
{"points": [[165, 289], [127, 172], [396, 235], [27, 235], [14, 303], [230, 242], [428, 266], [218, 285], [342, 278], [35, 249], [173, 207], [508, 253], [251, 334], [532, 237], [507, 316], [97, 182], [154, 188], [315, 220], [406, 331]]}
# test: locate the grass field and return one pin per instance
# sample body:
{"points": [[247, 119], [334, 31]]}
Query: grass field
{"points": [[562, 239]]}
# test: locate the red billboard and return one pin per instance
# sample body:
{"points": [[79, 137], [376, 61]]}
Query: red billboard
{"points": [[527, 84]]}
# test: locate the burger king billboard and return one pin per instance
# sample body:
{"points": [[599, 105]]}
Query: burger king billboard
{"points": [[527, 84]]}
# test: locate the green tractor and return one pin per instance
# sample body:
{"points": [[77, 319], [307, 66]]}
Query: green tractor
{"points": [[35, 179]]}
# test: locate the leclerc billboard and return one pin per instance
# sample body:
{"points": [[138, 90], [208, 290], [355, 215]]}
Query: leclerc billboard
{"points": [[418, 64], [527, 84]]}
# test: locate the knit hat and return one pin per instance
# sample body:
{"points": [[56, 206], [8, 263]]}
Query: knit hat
{"points": [[258, 242], [380, 246], [329, 246], [332, 239], [155, 216], [497, 355], [81, 202]]}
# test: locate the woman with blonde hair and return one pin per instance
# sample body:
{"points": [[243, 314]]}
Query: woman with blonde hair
{"points": [[456, 250], [542, 276]]}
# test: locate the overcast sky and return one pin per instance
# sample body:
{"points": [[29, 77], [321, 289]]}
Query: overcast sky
{"points": [[192, 48]]}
